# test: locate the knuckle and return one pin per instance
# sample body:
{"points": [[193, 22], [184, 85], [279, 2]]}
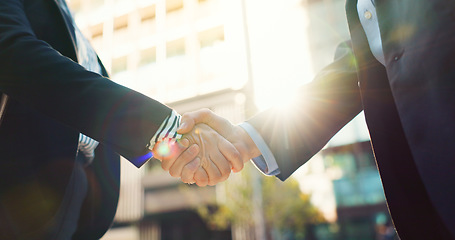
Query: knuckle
{"points": [[216, 182], [173, 173], [226, 172], [216, 178], [204, 162], [206, 112], [198, 179], [199, 175], [236, 156], [165, 167], [186, 179], [190, 168], [225, 177], [241, 166], [188, 155], [201, 184]]}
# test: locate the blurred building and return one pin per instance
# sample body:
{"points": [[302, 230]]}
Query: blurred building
{"points": [[188, 54], [234, 57]]}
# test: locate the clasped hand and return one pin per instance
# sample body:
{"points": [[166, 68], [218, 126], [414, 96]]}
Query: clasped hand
{"points": [[210, 148]]}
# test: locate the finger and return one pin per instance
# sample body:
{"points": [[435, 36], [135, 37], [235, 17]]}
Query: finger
{"points": [[169, 150], [201, 178], [189, 170], [213, 172], [231, 154], [181, 160], [192, 118], [186, 124], [223, 166], [217, 123], [184, 159]]}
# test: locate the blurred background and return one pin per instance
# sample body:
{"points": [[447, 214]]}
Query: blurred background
{"points": [[236, 57]]}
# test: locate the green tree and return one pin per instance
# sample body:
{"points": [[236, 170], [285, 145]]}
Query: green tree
{"points": [[285, 208]]}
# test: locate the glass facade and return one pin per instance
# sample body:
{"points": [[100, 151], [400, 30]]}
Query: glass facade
{"points": [[358, 181], [360, 201]]}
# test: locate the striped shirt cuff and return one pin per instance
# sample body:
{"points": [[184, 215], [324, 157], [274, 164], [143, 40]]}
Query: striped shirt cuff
{"points": [[167, 130], [87, 146]]}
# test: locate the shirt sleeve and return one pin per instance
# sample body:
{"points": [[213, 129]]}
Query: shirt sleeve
{"points": [[167, 130], [266, 163]]}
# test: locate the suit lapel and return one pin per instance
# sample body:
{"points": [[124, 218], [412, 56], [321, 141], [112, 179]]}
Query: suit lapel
{"points": [[69, 27], [72, 34]]}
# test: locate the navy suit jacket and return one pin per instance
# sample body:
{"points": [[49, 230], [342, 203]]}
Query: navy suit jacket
{"points": [[51, 100], [409, 107]]}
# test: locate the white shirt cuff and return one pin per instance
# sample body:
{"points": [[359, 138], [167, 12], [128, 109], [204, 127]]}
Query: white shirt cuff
{"points": [[266, 163]]}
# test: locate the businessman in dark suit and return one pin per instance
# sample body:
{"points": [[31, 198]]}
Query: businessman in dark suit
{"points": [[63, 125], [399, 68]]}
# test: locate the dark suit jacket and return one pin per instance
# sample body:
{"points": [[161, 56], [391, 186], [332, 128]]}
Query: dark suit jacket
{"points": [[51, 100], [409, 107]]}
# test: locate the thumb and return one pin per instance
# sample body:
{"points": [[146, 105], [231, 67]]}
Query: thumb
{"points": [[186, 124], [217, 123], [190, 119]]}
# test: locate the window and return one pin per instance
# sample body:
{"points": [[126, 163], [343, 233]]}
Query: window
{"points": [[96, 3], [148, 13], [173, 5], [359, 182], [148, 56], [175, 16], [119, 65], [97, 31], [121, 23], [75, 5], [175, 48], [351, 158], [148, 20], [211, 37], [121, 30], [213, 57]]}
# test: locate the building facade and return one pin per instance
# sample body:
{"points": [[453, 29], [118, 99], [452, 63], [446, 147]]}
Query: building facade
{"points": [[187, 54], [235, 57]]}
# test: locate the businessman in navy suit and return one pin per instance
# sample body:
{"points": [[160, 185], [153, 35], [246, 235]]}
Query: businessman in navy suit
{"points": [[399, 68], [64, 124]]}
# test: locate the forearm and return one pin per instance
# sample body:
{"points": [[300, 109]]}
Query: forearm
{"points": [[323, 107], [35, 74]]}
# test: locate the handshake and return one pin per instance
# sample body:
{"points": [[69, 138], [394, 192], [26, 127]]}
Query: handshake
{"points": [[207, 152]]}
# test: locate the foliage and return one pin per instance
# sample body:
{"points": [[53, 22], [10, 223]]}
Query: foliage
{"points": [[285, 207]]}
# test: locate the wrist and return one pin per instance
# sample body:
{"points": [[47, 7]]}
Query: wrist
{"points": [[251, 149], [167, 130]]}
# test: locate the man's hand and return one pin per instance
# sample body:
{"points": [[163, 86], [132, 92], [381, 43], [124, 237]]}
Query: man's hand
{"points": [[234, 134], [211, 156], [170, 151]]}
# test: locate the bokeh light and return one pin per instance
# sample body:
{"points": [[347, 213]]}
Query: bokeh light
{"points": [[165, 148]]}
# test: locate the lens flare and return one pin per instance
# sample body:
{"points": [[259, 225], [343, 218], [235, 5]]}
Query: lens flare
{"points": [[164, 148]]}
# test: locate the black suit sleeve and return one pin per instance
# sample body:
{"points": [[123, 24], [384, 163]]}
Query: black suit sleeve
{"points": [[323, 107], [33, 73]]}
